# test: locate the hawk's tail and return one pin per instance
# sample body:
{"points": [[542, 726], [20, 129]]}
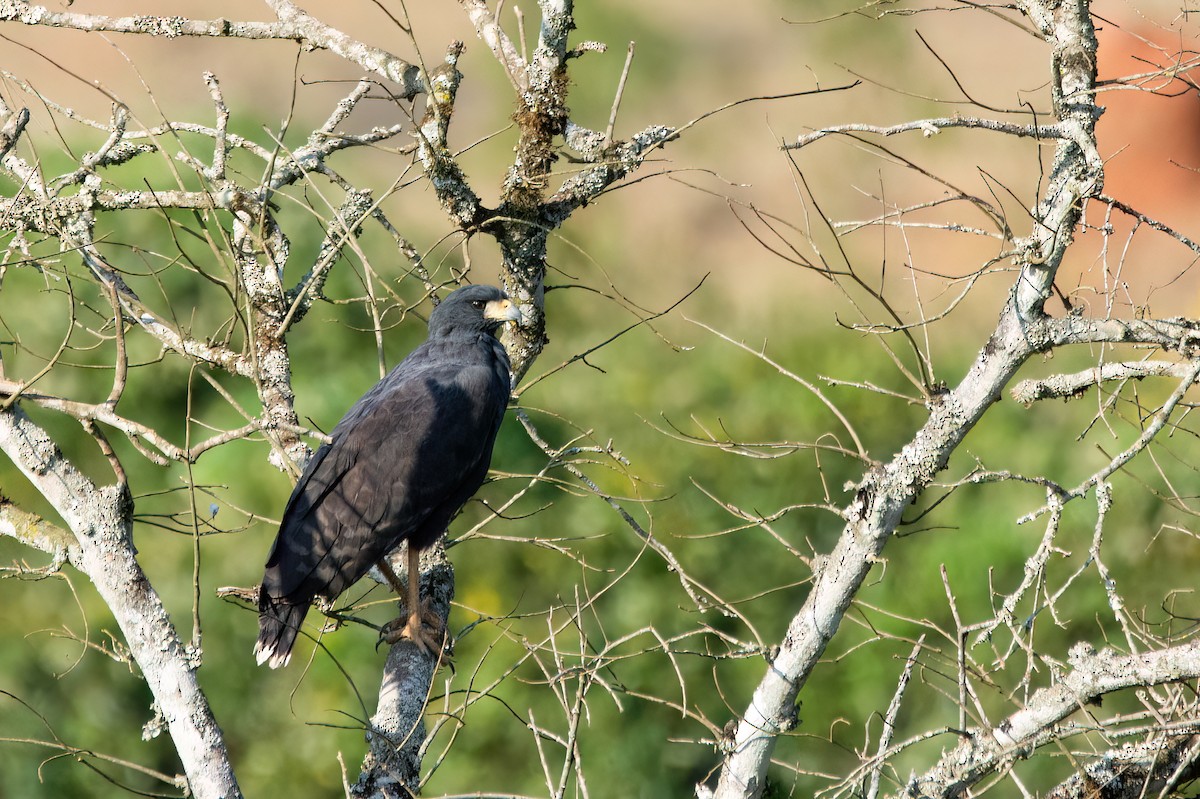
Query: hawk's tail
{"points": [[278, 625]]}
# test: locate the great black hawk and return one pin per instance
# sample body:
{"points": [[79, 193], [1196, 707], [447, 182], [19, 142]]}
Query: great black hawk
{"points": [[398, 466]]}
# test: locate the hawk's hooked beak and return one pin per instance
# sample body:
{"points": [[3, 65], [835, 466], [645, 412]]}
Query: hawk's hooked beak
{"points": [[504, 310]]}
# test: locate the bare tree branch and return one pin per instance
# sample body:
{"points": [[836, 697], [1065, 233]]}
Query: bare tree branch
{"points": [[930, 127], [1074, 385], [292, 23], [101, 519], [884, 493], [1153, 768], [1092, 675]]}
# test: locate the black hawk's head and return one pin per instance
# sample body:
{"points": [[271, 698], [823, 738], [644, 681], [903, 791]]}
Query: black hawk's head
{"points": [[473, 309]]}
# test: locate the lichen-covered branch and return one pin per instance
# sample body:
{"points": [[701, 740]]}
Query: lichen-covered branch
{"points": [[1071, 386], [884, 492], [34, 531], [929, 127], [1151, 768], [292, 24], [1040, 722], [101, 520], [612, 163], [457, 198]]}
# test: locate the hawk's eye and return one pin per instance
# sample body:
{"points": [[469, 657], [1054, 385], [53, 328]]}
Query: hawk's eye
{"points": [[478, 304]]}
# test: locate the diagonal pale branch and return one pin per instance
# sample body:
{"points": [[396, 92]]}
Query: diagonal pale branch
{"points": [[882, 497], [101, 519], [884, 492]]}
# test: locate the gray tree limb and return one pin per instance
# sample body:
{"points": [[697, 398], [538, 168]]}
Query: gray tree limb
{"points": [[293, 24], [1093, 674], [1151, 768], [885, 491], [1070, 386], [929, 127], [101, 519]]}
